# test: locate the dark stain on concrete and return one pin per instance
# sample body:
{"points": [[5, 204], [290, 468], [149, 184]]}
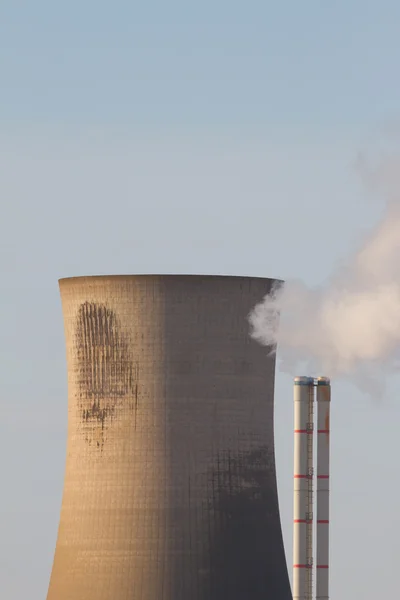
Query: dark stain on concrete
{"points": [[107, 377], [245, 540]]}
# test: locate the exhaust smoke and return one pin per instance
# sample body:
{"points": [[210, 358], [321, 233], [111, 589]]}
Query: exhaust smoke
{"points": [[350, 326]]}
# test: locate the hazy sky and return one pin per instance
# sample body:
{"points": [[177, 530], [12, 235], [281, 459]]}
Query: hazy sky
{"points": [[211, 137]]}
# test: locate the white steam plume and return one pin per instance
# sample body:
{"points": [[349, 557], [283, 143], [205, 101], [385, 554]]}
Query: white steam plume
{"points": [[349, 327]]}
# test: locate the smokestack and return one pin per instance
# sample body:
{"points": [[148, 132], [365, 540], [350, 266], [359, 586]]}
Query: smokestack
{"points": [[322, 551], [303, 488]]}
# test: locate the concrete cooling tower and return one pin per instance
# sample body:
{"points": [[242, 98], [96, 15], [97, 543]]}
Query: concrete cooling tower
{"points": [[170, 488]]}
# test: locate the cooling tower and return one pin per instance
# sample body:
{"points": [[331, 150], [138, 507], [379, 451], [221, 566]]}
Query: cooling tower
{"points": [[170, 487]]}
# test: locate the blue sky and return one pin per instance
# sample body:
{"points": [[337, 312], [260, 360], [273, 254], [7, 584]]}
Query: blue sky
{"points": [[215, 64], [215, 137]]}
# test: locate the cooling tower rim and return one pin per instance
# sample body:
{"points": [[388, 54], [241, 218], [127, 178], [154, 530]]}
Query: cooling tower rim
{"points": [[82, 278]]}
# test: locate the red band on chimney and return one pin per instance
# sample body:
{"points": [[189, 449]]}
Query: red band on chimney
{"points": [[309, 521]]}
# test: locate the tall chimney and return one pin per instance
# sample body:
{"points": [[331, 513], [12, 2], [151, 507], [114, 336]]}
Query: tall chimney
{"points": [[322, 551], [303, 488]]}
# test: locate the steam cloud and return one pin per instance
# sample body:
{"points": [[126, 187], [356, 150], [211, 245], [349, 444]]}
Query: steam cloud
{"points": [[350, 327]]}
